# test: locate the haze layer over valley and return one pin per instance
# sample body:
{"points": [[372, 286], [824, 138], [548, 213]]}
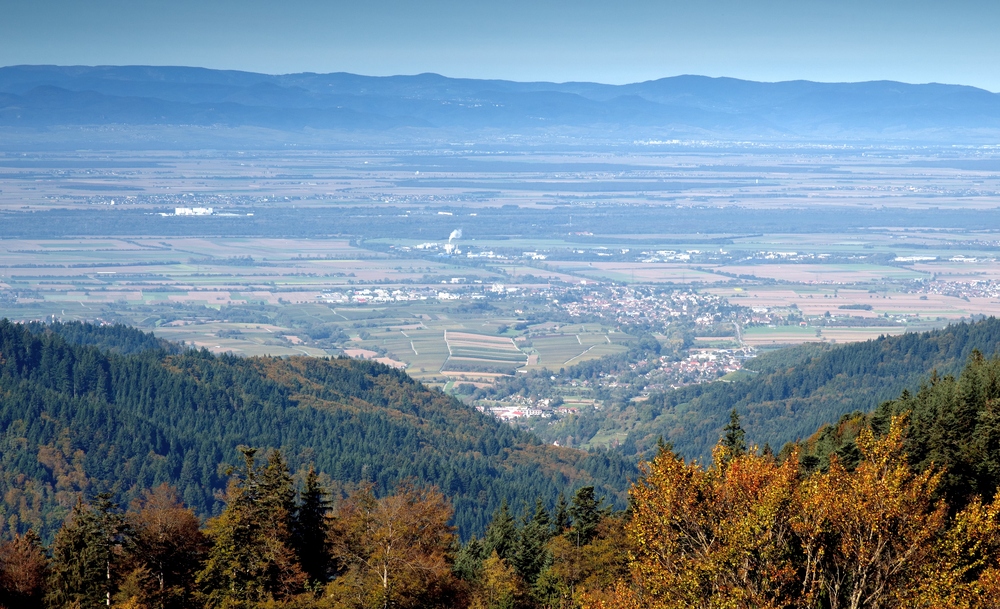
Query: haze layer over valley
{"points": [[418, 341], [616, 242]]}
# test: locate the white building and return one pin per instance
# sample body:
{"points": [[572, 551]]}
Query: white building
{"points": [[193, 211]]}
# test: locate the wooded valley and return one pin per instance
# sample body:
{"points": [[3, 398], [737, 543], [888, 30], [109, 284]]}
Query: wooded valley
{"points": [[138, 475]]}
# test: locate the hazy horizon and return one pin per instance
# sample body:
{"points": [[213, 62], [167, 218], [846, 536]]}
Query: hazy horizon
{"points": [[550, 40], [460, 77]]}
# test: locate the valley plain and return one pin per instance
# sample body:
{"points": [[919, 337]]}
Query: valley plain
{"points": [[451, 328], [88, 232], [470, 265]]}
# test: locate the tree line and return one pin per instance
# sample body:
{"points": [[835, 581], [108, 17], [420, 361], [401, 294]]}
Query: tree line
{"points": [[275, 546], [749, 530], [901, 514], [754, 531], [899, 507], [790, 399]]}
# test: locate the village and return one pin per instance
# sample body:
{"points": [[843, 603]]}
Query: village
{"points": [[633, 305]]}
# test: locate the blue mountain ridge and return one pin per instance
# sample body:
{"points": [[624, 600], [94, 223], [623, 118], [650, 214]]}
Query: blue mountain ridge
{"points": [[47, 96]]}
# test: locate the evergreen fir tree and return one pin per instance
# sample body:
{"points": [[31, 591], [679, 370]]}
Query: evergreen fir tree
{"points": [[501, 535], [277, 494], [249, 561], [530, 556], [469, 560], [586, 513], [562, 520], [664, 447], [310, 529], [84, 553], [733, 437], [114, 537]]}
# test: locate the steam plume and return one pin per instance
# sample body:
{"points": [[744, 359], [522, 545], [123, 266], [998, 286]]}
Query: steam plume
{"points": [[455, 234]]}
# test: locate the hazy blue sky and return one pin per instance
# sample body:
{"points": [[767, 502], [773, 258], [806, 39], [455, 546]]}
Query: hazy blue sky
{"points": [[625, 41]]}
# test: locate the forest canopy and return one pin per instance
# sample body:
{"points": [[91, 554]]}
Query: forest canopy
{"points": [[87, 410], [879, 527]]}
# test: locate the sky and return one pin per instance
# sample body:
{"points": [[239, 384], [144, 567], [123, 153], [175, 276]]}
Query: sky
{"points": [[610, 41]]}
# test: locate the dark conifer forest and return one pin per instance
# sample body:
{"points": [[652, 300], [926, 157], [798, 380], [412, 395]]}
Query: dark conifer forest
{"points": [[87, 410]]}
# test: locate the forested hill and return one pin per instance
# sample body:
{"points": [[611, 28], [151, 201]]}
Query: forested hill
{"points": [[790, 397], [76, 418], [117, 338]]}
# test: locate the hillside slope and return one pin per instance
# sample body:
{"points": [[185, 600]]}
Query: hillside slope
{"points": [[789, 398], [952, 425], [76, 419]]}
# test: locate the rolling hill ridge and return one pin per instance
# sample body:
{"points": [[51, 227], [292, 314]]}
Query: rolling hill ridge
{"points": [[793, 392], [78, 419], [680, 106]]}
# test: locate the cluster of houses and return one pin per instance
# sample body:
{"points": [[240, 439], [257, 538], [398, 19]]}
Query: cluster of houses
{"points": [[377, 296], [979, 288], [700, 366], [518, 407], [627, 305]]}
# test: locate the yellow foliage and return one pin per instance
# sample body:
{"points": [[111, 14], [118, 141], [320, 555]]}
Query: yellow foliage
{"points": [[500, 588], [131, 603], [713, 537], [966, 572], [393, 550], [752, 533], [866, 535], [584, 572]]}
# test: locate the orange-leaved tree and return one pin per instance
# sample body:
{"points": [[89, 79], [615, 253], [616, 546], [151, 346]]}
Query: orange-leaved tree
{"points": [[965, 571], [710, 537], [23, 568], [169, 545], [392, 551], [752, 532], [868, 534]]}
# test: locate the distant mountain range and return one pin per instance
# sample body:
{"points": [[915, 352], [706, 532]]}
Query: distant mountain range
{"points": [[677, 107]]}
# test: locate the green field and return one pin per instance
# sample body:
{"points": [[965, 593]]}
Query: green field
{"points": [[764, 337], [558, 350]]}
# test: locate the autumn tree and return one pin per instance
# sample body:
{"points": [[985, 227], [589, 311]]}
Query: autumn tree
{"points": [[574, 572], [867, 534], [23, 567], [168, 545], [500, 587], [964, 572], [392, 551], [751, 532], [710, 537]]}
